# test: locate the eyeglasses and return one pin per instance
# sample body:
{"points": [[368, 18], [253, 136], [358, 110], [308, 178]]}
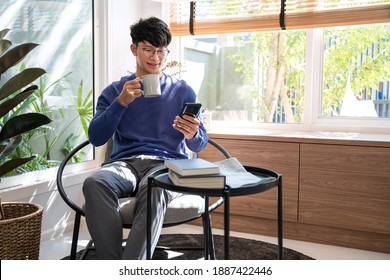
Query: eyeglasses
{"points": [[149, 52]]}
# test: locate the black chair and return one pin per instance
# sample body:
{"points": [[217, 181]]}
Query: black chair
{"points": [[181, 210]]}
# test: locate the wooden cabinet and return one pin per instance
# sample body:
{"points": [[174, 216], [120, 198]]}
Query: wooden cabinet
{"points": [[334, 191], [345, 187], [280, 157]]}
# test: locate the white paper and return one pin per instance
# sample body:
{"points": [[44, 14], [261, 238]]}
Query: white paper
{"points": [[236, 175]]}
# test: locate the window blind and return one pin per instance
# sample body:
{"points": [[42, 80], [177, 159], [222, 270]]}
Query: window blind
{"points": [[228, 16]]}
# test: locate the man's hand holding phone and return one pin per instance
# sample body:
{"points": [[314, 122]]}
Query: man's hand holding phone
{"points": [[187, 123]]}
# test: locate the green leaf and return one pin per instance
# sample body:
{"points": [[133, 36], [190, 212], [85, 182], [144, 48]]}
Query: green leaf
{"points": [[9, 145], [4, 45], [4, 32], [13, 56], [13, 102], [12, 164], [3, 146], [20, 80], [21, 124]]}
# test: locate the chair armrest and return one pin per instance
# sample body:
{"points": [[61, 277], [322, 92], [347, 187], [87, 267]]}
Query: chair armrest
{"points": [[60, 171], [220, 148]]}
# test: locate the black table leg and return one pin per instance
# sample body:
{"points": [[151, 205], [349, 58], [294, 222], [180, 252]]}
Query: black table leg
{"points": [[207, 225], [149, 221], [280, 219], [226, 194]]}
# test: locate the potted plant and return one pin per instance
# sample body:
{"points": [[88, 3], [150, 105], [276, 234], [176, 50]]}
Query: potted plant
{"points": [[13, 93], [20, 224]]}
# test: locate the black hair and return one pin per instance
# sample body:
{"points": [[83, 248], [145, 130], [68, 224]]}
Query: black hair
{"points": [[153, 30]]}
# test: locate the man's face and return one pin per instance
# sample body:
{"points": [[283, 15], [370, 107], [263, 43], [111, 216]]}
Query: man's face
{"points": [[149, 58]]}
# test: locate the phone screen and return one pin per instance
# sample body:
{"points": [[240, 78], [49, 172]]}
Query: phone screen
{"points": [[191, 109]]}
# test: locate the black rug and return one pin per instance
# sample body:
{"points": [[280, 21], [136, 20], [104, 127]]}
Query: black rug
{"points": [[240, 249]]}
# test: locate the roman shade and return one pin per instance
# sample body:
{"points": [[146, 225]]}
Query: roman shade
{"points": [[230, 16]]}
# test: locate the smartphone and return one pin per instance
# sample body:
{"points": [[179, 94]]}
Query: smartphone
{"points": [[191, 109]]}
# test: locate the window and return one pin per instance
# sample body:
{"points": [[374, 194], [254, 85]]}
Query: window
{"points": [[256, 77], [245, 69], [64, 31], [356, 71]]}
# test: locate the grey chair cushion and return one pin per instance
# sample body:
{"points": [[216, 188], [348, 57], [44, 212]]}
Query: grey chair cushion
{"points": [[180, 209]]}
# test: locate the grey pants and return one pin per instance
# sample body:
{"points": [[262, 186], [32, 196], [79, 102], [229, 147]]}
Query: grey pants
{"points": [[103, 189]]}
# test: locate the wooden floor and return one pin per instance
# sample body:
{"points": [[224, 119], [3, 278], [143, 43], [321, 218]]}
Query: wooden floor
{"points": [[60, 247]]}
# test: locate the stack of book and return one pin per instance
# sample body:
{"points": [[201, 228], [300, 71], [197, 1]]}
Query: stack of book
{"points": [[195, 173]]}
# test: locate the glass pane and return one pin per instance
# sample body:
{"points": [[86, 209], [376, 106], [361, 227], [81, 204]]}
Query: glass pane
{"points": [[356, 72], [64, 31], [255, 77]]}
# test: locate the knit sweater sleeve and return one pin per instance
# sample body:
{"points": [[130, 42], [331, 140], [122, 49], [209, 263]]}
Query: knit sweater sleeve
{"points": [[199, 142], [107, 117]]}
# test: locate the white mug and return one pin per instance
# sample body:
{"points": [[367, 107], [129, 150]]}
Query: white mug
{"points": [[151, 85]]}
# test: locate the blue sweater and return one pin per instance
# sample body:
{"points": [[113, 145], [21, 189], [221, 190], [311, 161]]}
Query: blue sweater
{"points": [[144, 127]]}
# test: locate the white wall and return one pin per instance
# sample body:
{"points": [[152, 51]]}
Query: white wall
{"points": [[57, 216], [122, 14]]}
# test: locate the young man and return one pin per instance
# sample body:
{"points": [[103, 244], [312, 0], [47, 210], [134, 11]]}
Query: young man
{"points": [[146, 131]]}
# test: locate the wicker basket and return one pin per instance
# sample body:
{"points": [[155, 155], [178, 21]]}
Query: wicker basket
{"points": [[20, 231]]}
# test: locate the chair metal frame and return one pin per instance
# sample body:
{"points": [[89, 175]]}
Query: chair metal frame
{"points": [[80, 213]]}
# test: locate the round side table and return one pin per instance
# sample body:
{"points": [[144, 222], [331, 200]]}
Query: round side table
{"points": [[269, 180]]}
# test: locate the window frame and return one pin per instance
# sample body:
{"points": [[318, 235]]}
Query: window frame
{"points": [[312, 119], [315, 20], [315, 121]]}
